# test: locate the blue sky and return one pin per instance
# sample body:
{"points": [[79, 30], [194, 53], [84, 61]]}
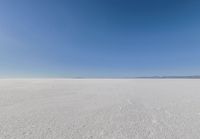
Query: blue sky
{"points": [[99, 38]]}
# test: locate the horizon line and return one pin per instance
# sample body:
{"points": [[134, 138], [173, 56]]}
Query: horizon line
{"points": [[133, 77]]}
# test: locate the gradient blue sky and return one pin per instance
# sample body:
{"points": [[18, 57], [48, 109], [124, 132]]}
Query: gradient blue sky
{"points": [[99, 38]]}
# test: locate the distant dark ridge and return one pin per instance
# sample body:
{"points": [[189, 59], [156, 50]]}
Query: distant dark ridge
{"points": [[133, 77], [172, 77], [144, 77]]}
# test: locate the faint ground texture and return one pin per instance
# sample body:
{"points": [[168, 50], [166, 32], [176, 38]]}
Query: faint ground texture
{"points": [[99, 109]]}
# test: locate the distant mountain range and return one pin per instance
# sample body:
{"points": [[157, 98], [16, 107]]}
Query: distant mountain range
{"points": [[144, 77], [174, 77]]}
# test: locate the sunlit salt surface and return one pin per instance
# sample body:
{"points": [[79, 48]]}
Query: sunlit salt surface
{"points": [[99, 109]]}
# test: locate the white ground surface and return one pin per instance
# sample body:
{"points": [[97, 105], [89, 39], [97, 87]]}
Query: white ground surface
{"points": [[100, 109]]}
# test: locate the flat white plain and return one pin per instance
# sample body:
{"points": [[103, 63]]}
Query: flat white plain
{"points": [[99, 109]]}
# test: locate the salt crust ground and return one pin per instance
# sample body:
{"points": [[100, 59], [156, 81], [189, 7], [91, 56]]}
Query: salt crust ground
{"points": [[99, 109]]}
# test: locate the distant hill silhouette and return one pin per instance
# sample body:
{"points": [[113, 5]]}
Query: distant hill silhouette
{"points": [[174, 77]]}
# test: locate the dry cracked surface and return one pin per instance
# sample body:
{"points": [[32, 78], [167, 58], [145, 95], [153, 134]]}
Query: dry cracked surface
{"points": [[99, 109]]}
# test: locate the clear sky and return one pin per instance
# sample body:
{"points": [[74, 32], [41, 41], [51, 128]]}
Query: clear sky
{"points": [[99, 38]]}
